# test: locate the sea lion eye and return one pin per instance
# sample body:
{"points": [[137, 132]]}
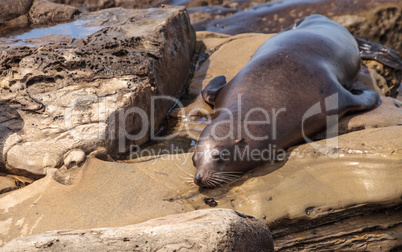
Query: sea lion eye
{"points": [[217, 158], [193, 158]]}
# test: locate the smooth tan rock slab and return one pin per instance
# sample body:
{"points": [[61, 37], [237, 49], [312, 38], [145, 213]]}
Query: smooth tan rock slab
{"points": [[7, 184], [202, 230], [309, 185]]}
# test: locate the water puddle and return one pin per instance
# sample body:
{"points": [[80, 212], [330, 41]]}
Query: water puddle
{"points": [[76, 29]]}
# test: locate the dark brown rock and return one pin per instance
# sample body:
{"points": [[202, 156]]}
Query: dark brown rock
{"points": [[376, 21], [44, 12], [103, 4], [11, 9]]}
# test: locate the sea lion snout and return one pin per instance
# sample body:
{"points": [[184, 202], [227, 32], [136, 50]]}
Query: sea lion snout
{"points": [[198, 178]]}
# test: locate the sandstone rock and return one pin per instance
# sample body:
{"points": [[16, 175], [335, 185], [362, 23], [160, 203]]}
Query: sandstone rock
{"points": [[389, 113], [307, 192], [7, 184], [74, 157], [93, 86], [203, 230], [44, 12]]}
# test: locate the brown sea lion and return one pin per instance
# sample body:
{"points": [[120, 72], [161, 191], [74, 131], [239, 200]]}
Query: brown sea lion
{"points": [[294, 82]]}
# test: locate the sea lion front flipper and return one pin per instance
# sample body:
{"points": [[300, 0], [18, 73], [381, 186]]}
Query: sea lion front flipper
{"points": [[380, 53], [212, 90], [361, 100]]}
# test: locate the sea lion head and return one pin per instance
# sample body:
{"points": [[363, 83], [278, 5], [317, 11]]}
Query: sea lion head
{"points": [[218, 161]]}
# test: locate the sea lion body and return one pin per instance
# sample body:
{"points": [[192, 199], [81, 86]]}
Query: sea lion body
{"points": [[313, 62]]}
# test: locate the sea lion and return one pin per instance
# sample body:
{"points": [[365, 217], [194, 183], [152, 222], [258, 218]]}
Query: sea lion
{"points": [[293, 83]]}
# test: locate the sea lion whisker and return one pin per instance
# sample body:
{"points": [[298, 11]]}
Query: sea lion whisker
{"points": [[184, 170], [216, 179], [222, 181], [186, 177], [209, 183], [230, 172], [230, 176], [213, 182], [225, 176], [216, 183], [233, 175], [220, 176]]}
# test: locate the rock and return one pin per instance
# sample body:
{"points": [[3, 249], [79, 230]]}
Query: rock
{"points": [[37, 12], [10, 123], [388, 79], [389, 113], [348, 200], [74, 157], [234, 4], [12, 9], [204, 14], [307, 191], [7, 184], [92, 86], [376, 21], [103, 4], [44, 12], [202, 230]]}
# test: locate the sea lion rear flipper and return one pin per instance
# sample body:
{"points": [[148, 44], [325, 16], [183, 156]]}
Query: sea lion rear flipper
{"points": [[380, 53], [212, 90]]}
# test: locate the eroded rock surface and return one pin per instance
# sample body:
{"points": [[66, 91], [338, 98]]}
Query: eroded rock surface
{"points": [[202, 230], [83, 92]]}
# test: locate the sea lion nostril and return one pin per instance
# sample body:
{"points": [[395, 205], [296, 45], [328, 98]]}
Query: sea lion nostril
{"points": [[198, 178]]}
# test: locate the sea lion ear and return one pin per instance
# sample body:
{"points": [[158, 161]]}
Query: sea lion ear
{"points": [[212, 90]]}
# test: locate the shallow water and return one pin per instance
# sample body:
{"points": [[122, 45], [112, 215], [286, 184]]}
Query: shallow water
{"points": [[75, 29]]}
